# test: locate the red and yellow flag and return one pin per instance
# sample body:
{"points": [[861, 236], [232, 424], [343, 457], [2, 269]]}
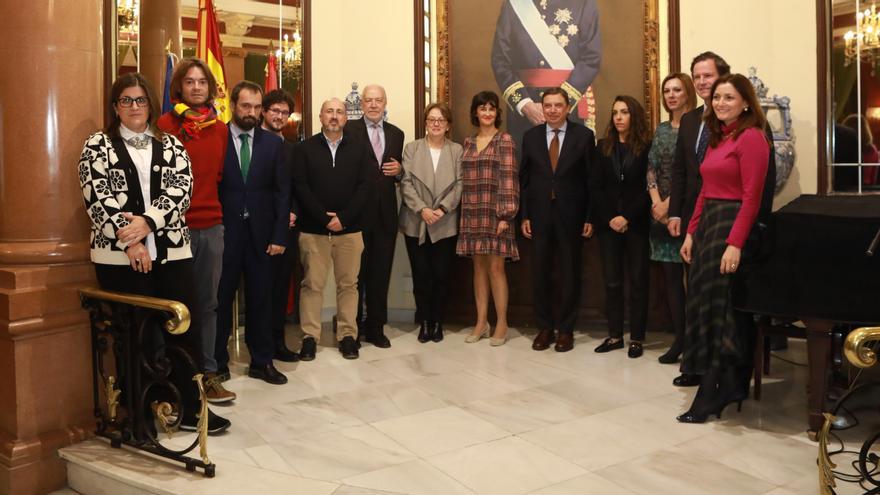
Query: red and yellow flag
{"points": [[209, 49]]}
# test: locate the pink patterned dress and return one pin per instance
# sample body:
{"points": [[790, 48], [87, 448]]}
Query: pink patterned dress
{"points": [[490, 193]]}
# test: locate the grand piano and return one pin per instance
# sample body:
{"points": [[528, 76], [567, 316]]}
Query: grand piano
{"points": [[818, 272]]}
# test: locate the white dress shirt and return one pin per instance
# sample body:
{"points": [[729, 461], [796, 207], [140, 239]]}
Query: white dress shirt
{"points": [[142, 160]]}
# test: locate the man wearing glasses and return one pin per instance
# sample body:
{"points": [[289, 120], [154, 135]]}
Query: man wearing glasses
{"points": [[277, 107]]}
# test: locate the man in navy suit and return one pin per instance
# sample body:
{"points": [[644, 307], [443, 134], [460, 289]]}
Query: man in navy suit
{"points": [[255, 194], [556, 158]]}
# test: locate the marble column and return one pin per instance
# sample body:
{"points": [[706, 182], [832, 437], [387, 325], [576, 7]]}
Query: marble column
{"points": [[51, 55], [160, 24]]}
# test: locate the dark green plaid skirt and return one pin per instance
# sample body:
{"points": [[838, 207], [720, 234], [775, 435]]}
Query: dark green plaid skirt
{"points": [[711, 338]]}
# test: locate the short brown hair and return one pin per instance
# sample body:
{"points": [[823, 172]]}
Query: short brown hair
{"points": [[721, 65], [180, 72], [752, 116], [689, 90], [482, 98], [121, 84], [245, 84], [444, 110]]}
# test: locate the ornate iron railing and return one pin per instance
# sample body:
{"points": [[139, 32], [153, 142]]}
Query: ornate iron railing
{"points": [[134, 397], [858, 351]]}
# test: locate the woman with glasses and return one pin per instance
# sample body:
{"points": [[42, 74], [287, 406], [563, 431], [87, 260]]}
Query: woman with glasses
{"points": [[431, 190], [489, 203], [136, 184]]}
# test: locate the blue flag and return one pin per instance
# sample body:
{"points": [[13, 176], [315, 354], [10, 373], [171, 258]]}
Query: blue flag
{"points": [[169, 69]]}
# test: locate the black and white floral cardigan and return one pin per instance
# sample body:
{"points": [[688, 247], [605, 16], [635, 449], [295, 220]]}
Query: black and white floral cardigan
{"points": [[110, 187]]}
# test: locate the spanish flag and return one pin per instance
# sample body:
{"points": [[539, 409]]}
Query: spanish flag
{"points": [[209, 49]]}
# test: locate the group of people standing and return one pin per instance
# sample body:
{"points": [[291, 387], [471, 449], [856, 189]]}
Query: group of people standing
{"points": [[182, 206]]}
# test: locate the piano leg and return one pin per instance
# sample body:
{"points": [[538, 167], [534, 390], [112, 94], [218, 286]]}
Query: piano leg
{"points": [[819, 364]]}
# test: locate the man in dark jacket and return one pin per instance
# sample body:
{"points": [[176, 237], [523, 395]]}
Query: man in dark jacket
{"points": [[385, 141], [332, 181], [255, 195]]}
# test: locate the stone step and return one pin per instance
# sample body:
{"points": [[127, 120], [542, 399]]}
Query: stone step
{"points": [[96, 468]]}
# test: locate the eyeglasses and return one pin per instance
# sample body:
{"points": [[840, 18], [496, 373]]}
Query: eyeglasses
{"points": [[126, 102], [275, 111], [433, 121]]}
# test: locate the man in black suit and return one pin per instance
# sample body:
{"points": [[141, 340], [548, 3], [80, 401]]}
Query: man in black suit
{"points": [[333, 176], [556, 157], [254, 193], [277, 107], [380, 225], [690, 149]]}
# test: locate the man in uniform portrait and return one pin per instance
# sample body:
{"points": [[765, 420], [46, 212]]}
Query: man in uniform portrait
{"points": [[541, 44]]}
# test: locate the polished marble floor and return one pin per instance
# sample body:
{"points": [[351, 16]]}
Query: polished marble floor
{"points": [[455, 418]]}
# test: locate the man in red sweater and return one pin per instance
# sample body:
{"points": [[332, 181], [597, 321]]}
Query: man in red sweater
{"points": [[194, 121]]}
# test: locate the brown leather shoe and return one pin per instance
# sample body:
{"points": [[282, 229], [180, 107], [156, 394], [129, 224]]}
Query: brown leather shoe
{"points": [[564, 342], [214, 390], [543, 340]]}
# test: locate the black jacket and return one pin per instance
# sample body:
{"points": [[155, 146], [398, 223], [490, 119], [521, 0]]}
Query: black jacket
{"points": [[620, 187], [321, 186], [382, 208], [569, 184]]}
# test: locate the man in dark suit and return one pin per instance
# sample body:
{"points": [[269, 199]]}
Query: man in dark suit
{"points": [[380, 225], [540, 44], [254, 193], [277, 107], [556, 157], [690, 149]]}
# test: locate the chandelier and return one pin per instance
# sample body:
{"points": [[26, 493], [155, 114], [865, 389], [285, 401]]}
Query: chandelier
{"points": [[127, 16], [864, 43], [289, 57]]}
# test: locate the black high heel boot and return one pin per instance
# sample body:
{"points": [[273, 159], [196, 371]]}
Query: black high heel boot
{"points": [[707, 401], [437, 332], [424, 332], [671, 356]]}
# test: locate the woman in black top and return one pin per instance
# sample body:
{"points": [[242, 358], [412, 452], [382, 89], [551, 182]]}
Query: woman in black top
{"points": [[620, 213]]}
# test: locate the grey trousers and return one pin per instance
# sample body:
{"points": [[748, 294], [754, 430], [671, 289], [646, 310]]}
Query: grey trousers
{"points": [[207, 250]]}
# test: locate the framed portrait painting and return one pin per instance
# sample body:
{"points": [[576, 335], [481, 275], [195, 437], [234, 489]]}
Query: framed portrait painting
{"points": [[594, 49]]}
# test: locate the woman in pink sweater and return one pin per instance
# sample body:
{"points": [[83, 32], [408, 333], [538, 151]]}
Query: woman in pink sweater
{"points": [[733, 173]]}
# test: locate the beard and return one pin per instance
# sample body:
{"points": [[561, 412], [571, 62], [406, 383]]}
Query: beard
{"points": [[245, 123], [271, 125]]}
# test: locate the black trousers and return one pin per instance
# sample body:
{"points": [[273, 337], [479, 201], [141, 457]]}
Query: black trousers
{"points": [[283, 268], [374, 277], [172, 280], [242, 255], [630, 248], [431, 263], [555, 242]]}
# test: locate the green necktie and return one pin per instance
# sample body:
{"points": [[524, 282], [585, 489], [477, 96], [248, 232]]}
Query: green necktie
{"points": [[245, 157]]}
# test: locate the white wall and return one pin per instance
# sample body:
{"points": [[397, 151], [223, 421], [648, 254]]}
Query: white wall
{"points": [[367, 42], [779, 39]]}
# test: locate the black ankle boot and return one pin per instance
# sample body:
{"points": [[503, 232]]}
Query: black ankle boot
{"points": [[671, 356], [424, 332], [437, 331], [707, 402]]}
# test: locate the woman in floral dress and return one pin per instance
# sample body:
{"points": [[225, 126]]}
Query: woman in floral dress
{"points": [[489, 203]]}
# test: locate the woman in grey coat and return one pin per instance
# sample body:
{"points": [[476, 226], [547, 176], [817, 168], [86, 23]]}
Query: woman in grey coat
{"points": [[431, 189]]}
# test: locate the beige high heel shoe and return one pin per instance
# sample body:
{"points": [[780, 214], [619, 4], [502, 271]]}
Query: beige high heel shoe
{"points": [[471, 338], [497, 341]]}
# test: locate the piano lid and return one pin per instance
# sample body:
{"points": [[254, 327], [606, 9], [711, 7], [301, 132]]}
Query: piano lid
{"points": [[818, 268]]}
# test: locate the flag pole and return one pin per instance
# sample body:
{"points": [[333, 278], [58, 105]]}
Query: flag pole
{"points": [[278, 60]]}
